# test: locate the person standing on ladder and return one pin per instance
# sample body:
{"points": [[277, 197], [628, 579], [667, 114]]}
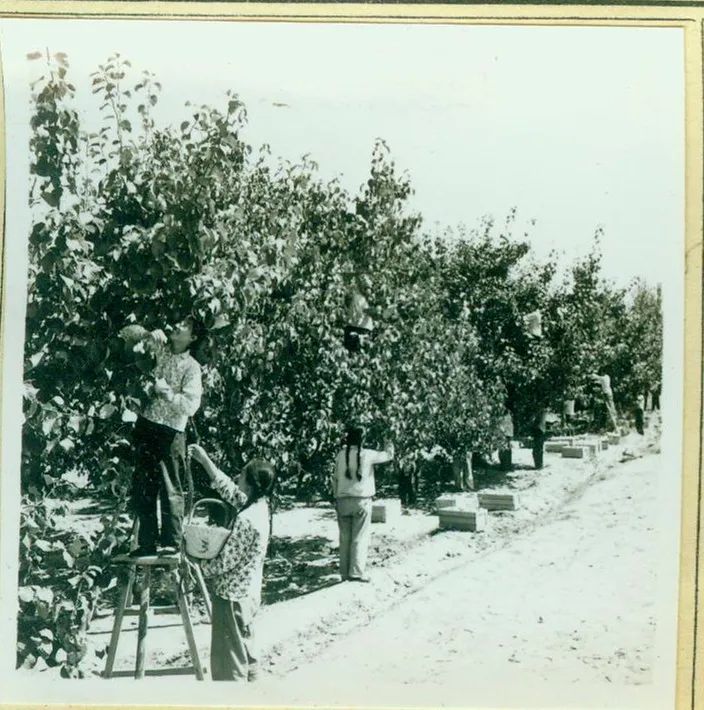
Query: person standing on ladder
{"points": [[359, 325], [159, 433]]}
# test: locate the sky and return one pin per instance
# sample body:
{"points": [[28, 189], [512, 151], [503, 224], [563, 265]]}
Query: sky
{"points": [[576, 127]]}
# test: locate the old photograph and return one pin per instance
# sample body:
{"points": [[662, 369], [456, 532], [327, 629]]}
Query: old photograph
{"points": [[342, 363]]}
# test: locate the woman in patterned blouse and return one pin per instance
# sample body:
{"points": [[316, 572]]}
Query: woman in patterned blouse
{"points": [[159, 431], [235, 575]]}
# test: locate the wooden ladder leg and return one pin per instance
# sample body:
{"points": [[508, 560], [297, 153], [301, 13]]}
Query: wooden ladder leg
{"points": [[204, 591], [143, 623], [188, 627], [134, 541], [125, 601]]}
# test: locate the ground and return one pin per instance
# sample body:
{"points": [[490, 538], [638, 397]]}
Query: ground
{"points": [[539, 609], [557, 595]]}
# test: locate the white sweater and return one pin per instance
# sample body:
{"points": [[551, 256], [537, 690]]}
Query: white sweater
{"points": [[344, 487]]}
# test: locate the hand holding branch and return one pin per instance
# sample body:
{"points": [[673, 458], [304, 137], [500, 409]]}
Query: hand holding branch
{"points": [[198, 454], [158, 337]]}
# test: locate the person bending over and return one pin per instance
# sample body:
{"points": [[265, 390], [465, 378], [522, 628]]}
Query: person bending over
{"points": [[235, 575]]}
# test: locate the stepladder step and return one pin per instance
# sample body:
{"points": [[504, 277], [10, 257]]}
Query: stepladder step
{"points": [[137, 588]]}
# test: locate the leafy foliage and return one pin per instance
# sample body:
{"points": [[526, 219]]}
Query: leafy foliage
{"points": [[139, 223]]}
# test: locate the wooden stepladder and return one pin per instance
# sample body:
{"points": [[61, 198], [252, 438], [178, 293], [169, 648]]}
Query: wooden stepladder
{"points": [[173, 565], [176, 566]]}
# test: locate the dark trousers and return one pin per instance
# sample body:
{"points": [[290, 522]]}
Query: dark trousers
{"points": [[231, 642], [639, 421], [538, 443], [154, 444]]}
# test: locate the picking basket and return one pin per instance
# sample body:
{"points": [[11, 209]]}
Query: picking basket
{"points": [[202, 540]]}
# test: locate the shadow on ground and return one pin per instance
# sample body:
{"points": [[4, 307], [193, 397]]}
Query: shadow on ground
{"points": [[298, 566], [495, 476]]}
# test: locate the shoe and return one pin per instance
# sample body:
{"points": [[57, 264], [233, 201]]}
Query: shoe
{"points": [[360, 579]]}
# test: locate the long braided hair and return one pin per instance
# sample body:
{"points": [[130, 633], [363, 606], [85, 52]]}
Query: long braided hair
{"points": [[260, 477], [355, 437]]}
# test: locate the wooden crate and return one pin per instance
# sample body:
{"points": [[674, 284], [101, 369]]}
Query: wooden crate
{"points": [[498, 501], [457, 519], [386, 510], [446, 501], [574, 452], [593, 446], [555, 447], [467, 500]]}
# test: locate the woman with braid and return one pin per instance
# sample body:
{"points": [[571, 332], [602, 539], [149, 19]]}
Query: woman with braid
{"points": [[353, 487], [235, 575]]}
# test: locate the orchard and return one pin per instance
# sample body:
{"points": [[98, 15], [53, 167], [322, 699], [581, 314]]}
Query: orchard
{"points": [[143, 223]]}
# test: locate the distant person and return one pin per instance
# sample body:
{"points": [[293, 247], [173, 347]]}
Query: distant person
{"points": [[159, 433], [604, 384], [656, 391], [533, 323], [359, 325], [235, 576], [505, 453], [640, 413], [353, 487], [568, 415], [539, 434]]}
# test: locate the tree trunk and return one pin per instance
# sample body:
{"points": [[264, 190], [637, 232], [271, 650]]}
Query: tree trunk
{"points": [[468, 473], [407, 483]]}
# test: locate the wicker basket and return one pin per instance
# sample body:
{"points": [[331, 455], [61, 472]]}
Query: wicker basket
{"points": [[202, 540]]}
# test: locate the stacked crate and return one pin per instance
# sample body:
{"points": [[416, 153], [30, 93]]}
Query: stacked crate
{"points": [[593, 446], [555, 447], [463, 519], [460, 511], [498, 500], [574, 452], [446, 501]]}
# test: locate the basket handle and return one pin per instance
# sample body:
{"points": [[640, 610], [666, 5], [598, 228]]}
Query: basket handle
{"points": [[204, 501]]}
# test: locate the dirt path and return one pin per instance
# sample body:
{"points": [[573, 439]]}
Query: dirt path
{"points": [[554, 602], [567, 607]]}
